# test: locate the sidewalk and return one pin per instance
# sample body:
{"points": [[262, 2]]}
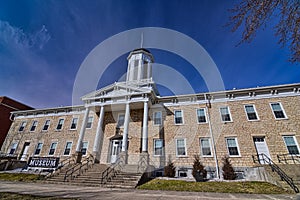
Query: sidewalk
{"points": [[92, 193]]}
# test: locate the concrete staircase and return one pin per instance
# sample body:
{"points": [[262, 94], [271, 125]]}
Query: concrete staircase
{"points": [[292, 170]]}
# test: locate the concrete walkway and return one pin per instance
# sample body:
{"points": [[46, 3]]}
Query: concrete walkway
{"points": [[71, 191]]}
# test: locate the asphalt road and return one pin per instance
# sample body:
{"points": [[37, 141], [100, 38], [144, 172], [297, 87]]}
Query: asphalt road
{"points": [[91, 193]]}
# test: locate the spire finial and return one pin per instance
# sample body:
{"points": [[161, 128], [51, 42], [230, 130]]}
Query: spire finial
{"points": [[142, 39]]}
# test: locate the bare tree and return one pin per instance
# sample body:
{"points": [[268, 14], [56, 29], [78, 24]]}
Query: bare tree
{"points": [[255, 14]]}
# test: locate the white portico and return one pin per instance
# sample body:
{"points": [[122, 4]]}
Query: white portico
{"points": [[117, 101]]}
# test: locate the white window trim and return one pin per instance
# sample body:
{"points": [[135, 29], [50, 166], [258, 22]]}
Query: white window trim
{"points": [[295, 139], [254, 111], [186, 154], [182, 115], [154, 118], [286, 117], [118, 119], [87, 147], [237, 145], [11, 145], [91, 122], [231, 119], [70, 149], [76, 124], [21, 126], [37, 147], [209, 140], [62, 126], [154, 147], [54, 149], [32, 126], [204, 115], [45, 124]]}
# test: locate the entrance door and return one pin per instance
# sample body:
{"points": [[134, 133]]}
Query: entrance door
{"points": [[261, 147], [25, 151], [116, 149]]}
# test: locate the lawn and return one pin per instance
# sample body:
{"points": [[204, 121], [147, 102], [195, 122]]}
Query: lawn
{"points": [[19, 177], [250, 187], [13, 196]]}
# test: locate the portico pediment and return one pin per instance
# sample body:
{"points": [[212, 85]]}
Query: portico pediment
{"points": [[118, 89]]}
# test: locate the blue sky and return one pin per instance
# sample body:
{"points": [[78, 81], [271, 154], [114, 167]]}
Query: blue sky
{"points": [[43, 43]]}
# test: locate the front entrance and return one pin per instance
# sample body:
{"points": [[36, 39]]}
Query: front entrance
{"points": [[115, 150], [261, 147], [25, 151]]}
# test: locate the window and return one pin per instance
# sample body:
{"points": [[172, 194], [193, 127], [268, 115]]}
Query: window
{"points": [[182, 173], [74, 123], [38, 148], [158, 146], [178, 117], [251, 112], [68, 148], [13, 148], [22, 126], [84, 148], [205, 147], [232, 146], [121, 119], [89, 122], [33, 127], [46, 125], [278, 111], [291, 144], [180, 147], [225, 114], [157, 118], [60, 124], [52, 148], [201, 115]]}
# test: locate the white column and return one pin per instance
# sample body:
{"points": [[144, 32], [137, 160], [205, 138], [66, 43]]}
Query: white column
{"points": [[99, 130], [145, 128], [126, 126], [82, 130]]}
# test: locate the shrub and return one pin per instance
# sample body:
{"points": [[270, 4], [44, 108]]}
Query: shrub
{"points": [[170, 170], [228, 171], [198, 167]]}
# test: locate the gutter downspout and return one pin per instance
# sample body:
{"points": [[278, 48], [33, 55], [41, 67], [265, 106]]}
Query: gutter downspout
{"points": [[208, 106]]}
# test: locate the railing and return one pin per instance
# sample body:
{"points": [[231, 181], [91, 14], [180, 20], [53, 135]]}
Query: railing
{"points": [[8, 156], [111, 171], [289, 157], [61, 164], [79, 168], [263, 159]]}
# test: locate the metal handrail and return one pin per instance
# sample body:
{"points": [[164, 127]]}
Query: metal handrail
{"points": [[287, 157], [79, 168], [61, 164], [111, 171], [276, 168]]}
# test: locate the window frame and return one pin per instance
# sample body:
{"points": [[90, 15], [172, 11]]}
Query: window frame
{"points": [[295, 141], [176, 146], [54, 149], [14, 149], [237, 146], [45, 124], [76, 124], [87, 147], [154, 147], [210, 147], [154, 118], [255, 111], [89, 124], [22, 126], [33, 126], [38, 149], [182, 118], [282, 109], [118, 124], [204, 116], [68, 149], [229, 113], [61, 125]]}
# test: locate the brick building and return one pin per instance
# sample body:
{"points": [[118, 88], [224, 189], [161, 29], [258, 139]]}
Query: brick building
{"points": [[129, 122], [8, 105]]}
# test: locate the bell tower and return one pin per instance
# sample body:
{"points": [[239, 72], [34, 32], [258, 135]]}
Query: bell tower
{"points": [[139, 65]]}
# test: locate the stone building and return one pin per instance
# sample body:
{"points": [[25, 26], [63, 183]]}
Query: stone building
{"points": [[129, 121]]}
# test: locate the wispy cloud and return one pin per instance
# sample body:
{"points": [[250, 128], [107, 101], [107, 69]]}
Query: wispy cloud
{"points": [[15, 37]]}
